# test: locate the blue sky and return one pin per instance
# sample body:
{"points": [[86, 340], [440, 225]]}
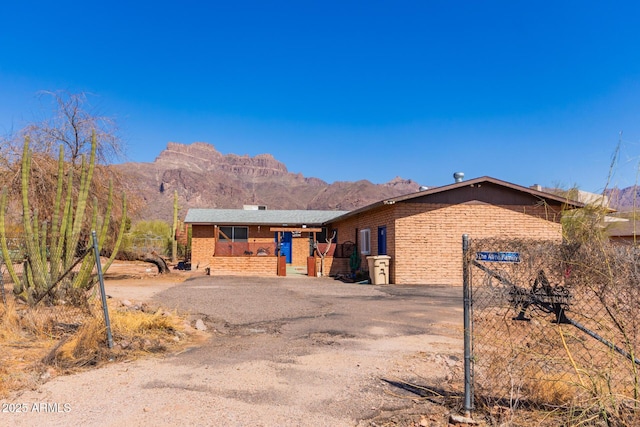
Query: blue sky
{"points": [[527, 92]]}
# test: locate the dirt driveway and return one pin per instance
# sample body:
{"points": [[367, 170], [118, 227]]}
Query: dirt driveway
{"points": [[282, 352]]}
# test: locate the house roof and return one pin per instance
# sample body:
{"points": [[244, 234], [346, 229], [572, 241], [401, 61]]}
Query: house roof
{"points": [[438, 192], [318, 217], [623, 228], [261, 217]]}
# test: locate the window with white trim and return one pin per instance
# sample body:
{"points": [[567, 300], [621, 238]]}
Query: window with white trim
{"points": [[365, 241]]}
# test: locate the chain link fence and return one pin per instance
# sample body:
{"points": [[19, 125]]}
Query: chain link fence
{"points": [[149, 244], [555, 332], [135, 246]]}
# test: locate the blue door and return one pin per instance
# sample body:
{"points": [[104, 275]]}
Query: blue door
{"points": [[382, 240], [285, 245]]}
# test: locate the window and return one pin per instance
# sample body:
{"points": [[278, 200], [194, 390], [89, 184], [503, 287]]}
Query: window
{"points": [[365, 241], [322, 236], [233, 234]]}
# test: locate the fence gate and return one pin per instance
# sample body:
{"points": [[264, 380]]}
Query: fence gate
{"points": [[553, 327]]}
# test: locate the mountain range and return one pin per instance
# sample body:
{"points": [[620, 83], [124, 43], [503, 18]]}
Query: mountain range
{"points": [[624, 199], [206, 178]]}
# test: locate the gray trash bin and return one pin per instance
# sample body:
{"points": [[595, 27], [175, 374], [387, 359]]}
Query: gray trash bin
{"points": [[379, 269]]}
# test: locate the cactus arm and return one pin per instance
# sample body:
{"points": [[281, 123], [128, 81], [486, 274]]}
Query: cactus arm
{"points": [[123, 225], [85, 183], [82, 278], [77, 214], [57, 226], [107, 217], [174, 228], [66, 226], [31, 236], [3, 239], [28, 283], [44, 248]]}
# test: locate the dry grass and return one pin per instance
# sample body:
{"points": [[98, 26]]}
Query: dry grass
{"points": [[38, 343]]}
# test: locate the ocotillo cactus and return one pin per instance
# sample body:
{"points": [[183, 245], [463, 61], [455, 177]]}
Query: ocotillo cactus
{"points": [[51, 253]]}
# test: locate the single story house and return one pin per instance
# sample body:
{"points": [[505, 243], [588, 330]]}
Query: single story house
{"points": [[246, 242], [421, 231]]}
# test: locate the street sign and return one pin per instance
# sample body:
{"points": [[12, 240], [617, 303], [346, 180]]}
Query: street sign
{"points": [[498, 256]]}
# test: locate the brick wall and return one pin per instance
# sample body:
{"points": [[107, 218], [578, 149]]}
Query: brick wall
{"points": [[334, 266], [349, 230], [243, 266], [203, 243], [429, 241], [424, 240], [300, 250]]}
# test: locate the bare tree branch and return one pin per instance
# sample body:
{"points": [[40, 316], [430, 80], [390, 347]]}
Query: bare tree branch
{"points": [[71, 125]]}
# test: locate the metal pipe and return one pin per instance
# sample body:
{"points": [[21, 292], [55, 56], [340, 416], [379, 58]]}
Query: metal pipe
{"points": [[558, 310], [466, 290], [492, 273], [603, 341], [103, 294]]}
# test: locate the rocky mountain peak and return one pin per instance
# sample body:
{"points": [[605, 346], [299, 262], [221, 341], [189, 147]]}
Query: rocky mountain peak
{"points": [[206, 178], [203, 156]]}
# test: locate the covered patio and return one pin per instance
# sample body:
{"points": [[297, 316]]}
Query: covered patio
{"points": [[256, 242]]}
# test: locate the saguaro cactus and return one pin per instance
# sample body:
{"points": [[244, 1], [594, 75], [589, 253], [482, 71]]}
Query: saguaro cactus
{"points": [[52, 252], [174, 229]]}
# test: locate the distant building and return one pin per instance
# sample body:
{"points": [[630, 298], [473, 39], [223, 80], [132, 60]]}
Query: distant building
{"points": [[623, 230]]}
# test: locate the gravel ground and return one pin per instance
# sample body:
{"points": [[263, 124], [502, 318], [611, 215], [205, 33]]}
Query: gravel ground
{"points": [[292, 351]]}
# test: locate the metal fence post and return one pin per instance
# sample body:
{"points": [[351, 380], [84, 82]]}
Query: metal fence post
{"points": [[103, 295], [466, 290]]}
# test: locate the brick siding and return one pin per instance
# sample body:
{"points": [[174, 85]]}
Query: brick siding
{"points": [[300, 250], [431, 242], [243, 266], [349, 230], [424, 240], [203, 243]]}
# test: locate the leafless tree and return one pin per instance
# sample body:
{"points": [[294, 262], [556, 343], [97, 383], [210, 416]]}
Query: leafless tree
{"points": [[322, 255], [67, 120], [71, 124]]}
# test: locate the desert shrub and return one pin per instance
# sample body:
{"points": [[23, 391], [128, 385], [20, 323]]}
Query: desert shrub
{"points": [[147, 236]]}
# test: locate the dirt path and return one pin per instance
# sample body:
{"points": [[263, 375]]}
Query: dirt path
{"points": [[286, 351]]}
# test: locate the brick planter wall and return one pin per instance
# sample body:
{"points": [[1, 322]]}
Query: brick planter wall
{"points": [[243, 266]]}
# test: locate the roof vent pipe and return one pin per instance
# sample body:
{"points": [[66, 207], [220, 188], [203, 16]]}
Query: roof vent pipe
{"points": [[458, 176], [423, 188]]}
